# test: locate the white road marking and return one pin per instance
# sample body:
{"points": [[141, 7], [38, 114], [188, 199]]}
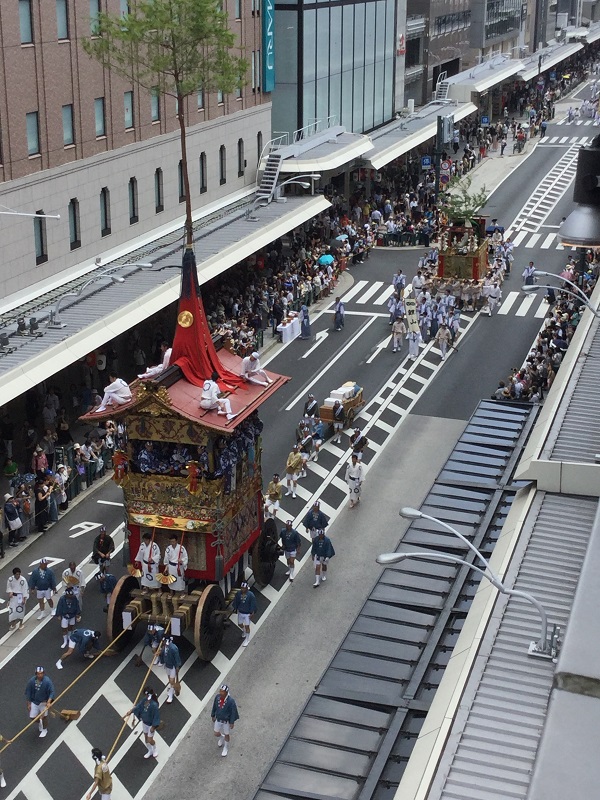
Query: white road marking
{"points": [[548, 241], [380, 347], [507, 303], [384, 296], [358, 287], [325, 369], [554, 139], [519, 237], [526, 305], [542, 310], [373, 289], [563, 139], [533, 241], [320, 338], [109, 503]]}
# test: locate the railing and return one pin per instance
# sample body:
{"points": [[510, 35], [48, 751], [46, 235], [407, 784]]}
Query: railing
{"points": [[314, 126], [282, 140]]}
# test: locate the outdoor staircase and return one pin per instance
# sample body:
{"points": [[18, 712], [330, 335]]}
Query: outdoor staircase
{"points": [[441, 90], [268, 181]]}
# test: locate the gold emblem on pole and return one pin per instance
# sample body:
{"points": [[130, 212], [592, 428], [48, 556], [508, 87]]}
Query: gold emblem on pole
{"points": [[185, 319]]}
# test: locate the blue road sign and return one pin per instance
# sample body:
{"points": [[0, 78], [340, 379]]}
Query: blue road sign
{"points": [[485, 120], [425, 162]]}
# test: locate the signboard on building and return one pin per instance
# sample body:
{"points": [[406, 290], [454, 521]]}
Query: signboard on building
{"points": [[425, 162], [268, 45]]}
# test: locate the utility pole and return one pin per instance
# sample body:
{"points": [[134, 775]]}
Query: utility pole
{"points": [[437, 155]]}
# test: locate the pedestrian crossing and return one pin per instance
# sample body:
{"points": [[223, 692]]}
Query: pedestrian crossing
{"points": [[542, 241], [584, 122], [524, 307], [566, 140], [529, 305]]}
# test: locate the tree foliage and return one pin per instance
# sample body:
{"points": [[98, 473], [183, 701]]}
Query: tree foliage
{"points": [[174, 47], [461, 204]]}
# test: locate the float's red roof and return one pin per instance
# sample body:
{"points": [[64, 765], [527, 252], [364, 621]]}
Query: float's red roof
{"points": [[196, 358]]}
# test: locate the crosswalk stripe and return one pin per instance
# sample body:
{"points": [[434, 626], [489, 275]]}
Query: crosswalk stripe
{"points": [[561, 122], [573, 139], [543, 139], [542, 310], [563, 139], [384, 296], [533, 241], [508, 302], [548, 241], [358, 287], [370, 292], [525, 305], [519, 237], [554, 139], [588, 122]]}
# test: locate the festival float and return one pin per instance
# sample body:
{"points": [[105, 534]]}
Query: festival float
{"points": [[187, 470]]}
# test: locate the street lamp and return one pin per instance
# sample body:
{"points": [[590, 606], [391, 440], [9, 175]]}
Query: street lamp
{"points": [[55, 321], [538, 273], [543, 647], [529, 289]]}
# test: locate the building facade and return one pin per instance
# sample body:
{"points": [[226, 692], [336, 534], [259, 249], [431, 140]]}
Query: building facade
{"points": [[334, 60], [78, 141]]}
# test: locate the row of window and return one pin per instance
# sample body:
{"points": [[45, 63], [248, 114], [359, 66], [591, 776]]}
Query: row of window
{"points": [[62, 16], [32, 119], [39, 223], [451, 22]]}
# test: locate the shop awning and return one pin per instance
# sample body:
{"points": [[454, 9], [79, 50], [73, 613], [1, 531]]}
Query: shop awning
{"points": [[397, 138], [323, 151], [557, 55], [94, 319], [592, 34]]}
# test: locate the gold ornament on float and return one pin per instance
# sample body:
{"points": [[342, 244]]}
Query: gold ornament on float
{"points": [[185, 319]]}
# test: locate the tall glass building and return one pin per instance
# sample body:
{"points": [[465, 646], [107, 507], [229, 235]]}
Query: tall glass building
{"points": [[334, 57]]}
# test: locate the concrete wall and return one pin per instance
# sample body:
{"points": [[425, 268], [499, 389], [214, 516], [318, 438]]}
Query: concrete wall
{"points": [[52, 189]]}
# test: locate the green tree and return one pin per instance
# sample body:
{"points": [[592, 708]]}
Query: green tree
{"points": [[174, 47], [462, 204]]}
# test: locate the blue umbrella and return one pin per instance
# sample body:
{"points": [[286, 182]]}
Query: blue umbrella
{"points": [[326, 259]]}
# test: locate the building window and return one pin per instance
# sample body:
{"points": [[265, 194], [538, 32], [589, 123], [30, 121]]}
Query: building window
{"points": [[104, 212], [180, 182], [133, 201], [155, 105], [124, 8], [158, 191], [255, 68], [238, 9], [94, 14], [177, 107], [200, 99], [33, 133], [128, 109], [67, 121], [238, 88], [39, 235], [220, 99], [203, 176], [25, 21], [241, 161], [100, 116], [62, 19], [222, 164], [74, 226], [259, 147]]}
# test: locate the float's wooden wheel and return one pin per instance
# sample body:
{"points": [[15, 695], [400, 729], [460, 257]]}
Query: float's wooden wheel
{"points": [[265, 553], [120, 597], [350, 417], [208, 624]]}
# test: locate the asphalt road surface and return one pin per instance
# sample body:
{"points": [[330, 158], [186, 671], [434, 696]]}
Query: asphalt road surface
{"points": [[413, 415]]}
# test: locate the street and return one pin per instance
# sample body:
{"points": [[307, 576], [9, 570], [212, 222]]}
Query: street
{"points": [[413, 414]]}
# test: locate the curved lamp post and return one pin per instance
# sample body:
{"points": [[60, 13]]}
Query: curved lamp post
{"points": [[297, 180], [544, 645], [539, 273], [529, 289], [55, 321]]}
